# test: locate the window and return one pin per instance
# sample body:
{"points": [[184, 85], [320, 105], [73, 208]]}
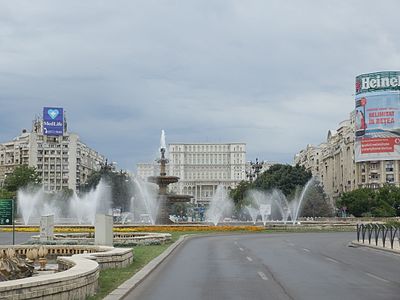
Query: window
{"points": [[389, 178], [374, 176], [389, 166]]}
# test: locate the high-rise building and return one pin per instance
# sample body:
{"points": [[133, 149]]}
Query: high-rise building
{"points": [[61, 161]]}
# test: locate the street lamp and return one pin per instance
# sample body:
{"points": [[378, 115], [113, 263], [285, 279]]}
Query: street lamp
{"points": [[257, 166], [250, 175]]}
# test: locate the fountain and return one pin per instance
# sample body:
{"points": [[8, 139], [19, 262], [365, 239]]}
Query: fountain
{"points": [[164, 200], [220, 206], [278, 203], [33, 204], [253, 212]]}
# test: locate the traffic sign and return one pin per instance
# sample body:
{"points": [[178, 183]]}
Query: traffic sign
{"points": [[6, 211]]}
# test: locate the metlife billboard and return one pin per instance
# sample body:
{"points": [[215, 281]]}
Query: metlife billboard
{"points": [[377, 116], [53, 121]]}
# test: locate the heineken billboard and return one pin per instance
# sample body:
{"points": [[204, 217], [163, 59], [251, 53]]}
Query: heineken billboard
{"points": [[377, 116]]}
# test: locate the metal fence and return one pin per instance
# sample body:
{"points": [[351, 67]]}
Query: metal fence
{"points": [[378, 234]]}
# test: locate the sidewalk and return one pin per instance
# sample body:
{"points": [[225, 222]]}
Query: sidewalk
{"points": [[396, 245]]}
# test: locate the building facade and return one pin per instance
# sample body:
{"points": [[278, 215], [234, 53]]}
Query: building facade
{"points": [[333, 162], [62, 162], [201, 167]]}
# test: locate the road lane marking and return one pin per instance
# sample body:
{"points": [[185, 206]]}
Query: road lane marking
{"points": [[249, 258], [241, 249], [332, 260], [291, 244], [262, 275], [376, 277], [306, 250], [236, 243]]}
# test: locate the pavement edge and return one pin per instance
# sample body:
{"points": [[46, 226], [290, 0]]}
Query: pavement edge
{"points": [[360, 244], [121, 291]]}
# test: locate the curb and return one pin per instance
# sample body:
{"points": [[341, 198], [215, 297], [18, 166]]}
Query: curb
{"points": [[360, 244], [121, 291]]}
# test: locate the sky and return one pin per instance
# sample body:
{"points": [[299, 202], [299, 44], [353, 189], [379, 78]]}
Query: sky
{"points": [[276, 75]]}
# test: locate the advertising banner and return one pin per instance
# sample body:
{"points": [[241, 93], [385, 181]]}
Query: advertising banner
{"points": [[377, 116], [53, 121]]}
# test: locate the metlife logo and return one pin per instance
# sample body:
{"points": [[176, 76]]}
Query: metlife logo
{"points": [[389, 80]]}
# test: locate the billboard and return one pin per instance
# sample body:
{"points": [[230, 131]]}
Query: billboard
{"points": [[377, 116], [53, 121]]}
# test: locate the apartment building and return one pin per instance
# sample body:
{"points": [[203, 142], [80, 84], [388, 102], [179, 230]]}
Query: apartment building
{"points": [[333, 162], [61, 161]]}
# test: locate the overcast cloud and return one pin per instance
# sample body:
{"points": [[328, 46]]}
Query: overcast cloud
{"points": [[276, 75]]}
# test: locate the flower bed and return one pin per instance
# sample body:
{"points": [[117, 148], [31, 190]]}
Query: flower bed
{"points": [[156, 228]]}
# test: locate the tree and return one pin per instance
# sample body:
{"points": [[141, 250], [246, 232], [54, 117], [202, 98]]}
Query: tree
{"points": [[283, 177], [286, 178], [21, 177], [239, 195], [316, 204], [120, 182]]}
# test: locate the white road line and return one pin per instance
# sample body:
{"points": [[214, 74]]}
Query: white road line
{"points": [[262, 275], [332, 260], [291, 244], [376, 277], [249, 258], [241, 249], [306, 250], [235, 242]]}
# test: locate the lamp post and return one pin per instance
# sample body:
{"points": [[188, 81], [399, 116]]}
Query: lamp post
{"points": [[250, 175], [257, 166]]}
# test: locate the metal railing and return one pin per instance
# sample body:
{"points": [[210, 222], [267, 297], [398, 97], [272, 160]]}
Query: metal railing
{"points": [[378, 233]]}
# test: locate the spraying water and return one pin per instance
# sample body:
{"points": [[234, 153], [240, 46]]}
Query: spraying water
{"points": [[278, 204], [296, 203], [253, 212], [220, 206], [32, 204], [147, 198], [85, 207], [162, 140]]}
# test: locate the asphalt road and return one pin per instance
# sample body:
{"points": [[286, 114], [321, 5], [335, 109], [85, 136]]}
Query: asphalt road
{"points": [[20, 237], [274, 266]]}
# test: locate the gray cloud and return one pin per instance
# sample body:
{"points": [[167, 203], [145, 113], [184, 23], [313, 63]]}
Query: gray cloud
{"points": [[274, 74]]}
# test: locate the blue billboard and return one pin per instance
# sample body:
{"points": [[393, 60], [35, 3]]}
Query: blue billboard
{"points": [[53, 121]]}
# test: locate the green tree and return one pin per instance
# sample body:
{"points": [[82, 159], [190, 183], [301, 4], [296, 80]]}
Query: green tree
{"points": [[21, 177], [239, 195], [120, 182], [383, 202], [316, 204], [358, 202], [283, 177]]}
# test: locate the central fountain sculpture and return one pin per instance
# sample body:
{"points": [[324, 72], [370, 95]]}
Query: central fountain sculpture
{"points": [[164, 199]]}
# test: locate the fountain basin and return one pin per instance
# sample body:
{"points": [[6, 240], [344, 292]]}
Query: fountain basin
{"points": [[163, 180], [179, 198]]}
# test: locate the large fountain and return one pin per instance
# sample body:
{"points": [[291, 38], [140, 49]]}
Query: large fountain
{"points": [[279, 207], [164, 200], [79, 209]]}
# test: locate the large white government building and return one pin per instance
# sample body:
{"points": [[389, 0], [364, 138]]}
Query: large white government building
{"points": [[62, 162], [201, 167]]}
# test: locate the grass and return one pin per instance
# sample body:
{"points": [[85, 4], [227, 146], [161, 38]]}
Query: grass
{"points": [[110, 279]]}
